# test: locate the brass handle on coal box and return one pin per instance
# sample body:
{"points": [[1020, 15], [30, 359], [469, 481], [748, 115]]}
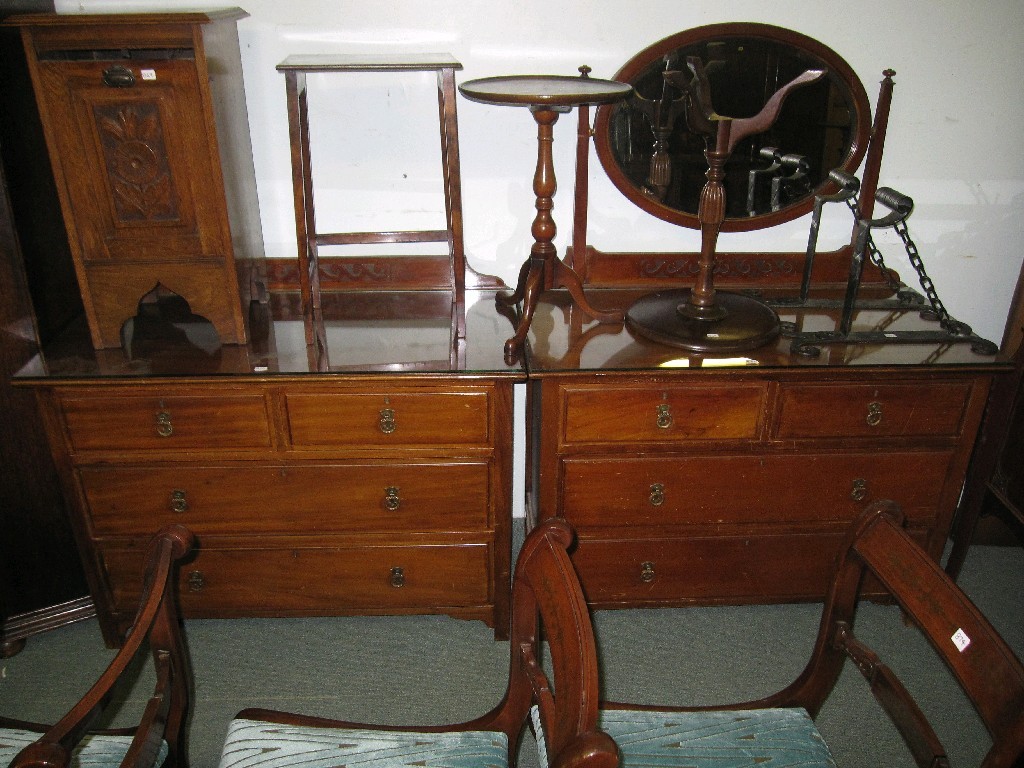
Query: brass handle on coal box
{"points": [[118, 76]]}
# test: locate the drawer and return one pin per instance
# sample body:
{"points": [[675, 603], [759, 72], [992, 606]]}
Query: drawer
{"points": [[275, 581], [662, 414], [609, 492], [156, 422], [780, 568], [352, 498], [918, 409], [388, 419]]}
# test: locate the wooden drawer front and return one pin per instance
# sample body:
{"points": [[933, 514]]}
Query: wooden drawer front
{"points": [[277, 580], [662, 414], [405, 418], [289, 499], [710, 490], [131, 422], [756, 569], [869, 410], [761, 569]]}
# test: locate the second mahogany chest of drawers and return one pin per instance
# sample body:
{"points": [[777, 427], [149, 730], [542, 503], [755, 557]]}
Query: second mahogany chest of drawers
{"points": [[696, 480]]}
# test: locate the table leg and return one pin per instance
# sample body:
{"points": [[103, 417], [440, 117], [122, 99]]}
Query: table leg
{"points": [[543, 270]]}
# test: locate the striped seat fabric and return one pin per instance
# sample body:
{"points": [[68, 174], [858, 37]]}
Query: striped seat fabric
{"points": [[759, 738], [94, 751], [260, 744], [766, 738]]}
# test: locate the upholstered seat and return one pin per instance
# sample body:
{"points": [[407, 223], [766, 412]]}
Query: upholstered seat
{"points": [[94, 751], [259, 744], [565, 692], [767, 738]]}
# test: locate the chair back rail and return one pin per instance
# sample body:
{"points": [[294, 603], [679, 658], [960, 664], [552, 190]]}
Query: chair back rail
{"points": [[155, 624], [984, 665]]}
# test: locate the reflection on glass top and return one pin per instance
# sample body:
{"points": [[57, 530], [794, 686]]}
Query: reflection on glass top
{"points": [[562, 338], [401, 332]]}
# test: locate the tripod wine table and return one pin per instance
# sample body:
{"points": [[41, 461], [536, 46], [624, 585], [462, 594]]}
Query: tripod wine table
{"points": [[547, 96]]}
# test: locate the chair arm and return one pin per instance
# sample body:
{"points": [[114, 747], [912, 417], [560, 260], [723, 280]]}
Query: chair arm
{"points": [[156, 615]]}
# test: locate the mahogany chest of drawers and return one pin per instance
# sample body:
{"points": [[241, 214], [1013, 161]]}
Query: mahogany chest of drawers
{"points": [[694, 480], [310, 493]]}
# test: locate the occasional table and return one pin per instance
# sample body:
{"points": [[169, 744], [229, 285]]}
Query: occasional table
{"points": [[547, 96]]}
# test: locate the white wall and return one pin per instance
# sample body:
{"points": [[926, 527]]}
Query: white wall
{"points": [[953, 142]]}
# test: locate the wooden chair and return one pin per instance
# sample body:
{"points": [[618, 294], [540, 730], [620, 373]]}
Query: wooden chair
{"points": [[779, 730], [159, 737], [545, 583]]}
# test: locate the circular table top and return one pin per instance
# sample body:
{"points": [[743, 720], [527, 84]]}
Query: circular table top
{"points": [[544, 90]]}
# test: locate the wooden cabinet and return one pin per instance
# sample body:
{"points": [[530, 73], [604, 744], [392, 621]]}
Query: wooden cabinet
{"points": [[696, 481], [148, 136], [309, 492]]}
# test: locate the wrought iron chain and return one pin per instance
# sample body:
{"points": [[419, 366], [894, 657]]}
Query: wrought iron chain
{"points": [[948, 324]]}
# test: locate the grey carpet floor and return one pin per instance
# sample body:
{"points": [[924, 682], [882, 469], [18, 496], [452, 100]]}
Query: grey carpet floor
{"points": [[434, 669]]}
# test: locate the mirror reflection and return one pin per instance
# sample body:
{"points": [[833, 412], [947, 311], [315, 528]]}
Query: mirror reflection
{"points": [[655, 155]]}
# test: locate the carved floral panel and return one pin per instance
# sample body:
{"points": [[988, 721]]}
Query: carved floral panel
{"points": [[136, 161]]}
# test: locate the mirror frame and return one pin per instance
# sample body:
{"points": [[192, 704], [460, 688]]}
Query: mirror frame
{"points": [[838, 70]]}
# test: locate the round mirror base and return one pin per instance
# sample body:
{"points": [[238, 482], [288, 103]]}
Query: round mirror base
{"points": [[748, 322]]}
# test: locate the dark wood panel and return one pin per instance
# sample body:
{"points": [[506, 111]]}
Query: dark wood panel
{"points": [[40, 572]]}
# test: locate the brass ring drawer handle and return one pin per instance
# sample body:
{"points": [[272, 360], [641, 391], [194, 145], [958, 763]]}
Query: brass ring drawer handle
{"points": [[397, 577], [164, 427], [196, 581], [657, 496], [179, 501], [387, 420], [647, 572], [664, 416], [859, 491], [392, 501], [874, 417]]}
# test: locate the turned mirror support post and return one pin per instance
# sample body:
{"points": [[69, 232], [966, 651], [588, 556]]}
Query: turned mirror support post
{"points": [[701, 304], [700, 319]]}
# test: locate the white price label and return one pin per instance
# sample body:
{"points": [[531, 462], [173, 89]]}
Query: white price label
{"points": [[148, 74], [960, 640]]}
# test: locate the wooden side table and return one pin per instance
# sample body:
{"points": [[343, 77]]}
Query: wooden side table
{"points": [[547, 96], [295, 69]]}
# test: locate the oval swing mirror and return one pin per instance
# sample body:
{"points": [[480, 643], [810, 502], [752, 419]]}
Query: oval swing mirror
{"points": [[651, 156]]}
